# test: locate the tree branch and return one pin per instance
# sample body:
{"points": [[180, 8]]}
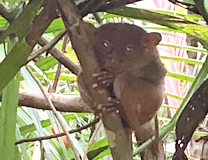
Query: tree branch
{"points": [[8, 15], [200, 6], [63, 103], [59, 134], [61, 57], [46, 47], [118, 141]]}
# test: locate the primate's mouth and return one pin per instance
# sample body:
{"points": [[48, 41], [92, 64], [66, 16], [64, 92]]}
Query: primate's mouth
{"points": [[115, 69]]}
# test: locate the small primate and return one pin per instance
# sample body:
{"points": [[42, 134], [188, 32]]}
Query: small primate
{"points": [[132, 70], [130, 61]]}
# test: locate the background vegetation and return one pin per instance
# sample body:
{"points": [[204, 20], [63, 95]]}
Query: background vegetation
{"points": [[30, 69]]}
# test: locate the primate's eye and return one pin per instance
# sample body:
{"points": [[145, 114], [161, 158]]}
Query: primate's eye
{"points": [[106, 47], [128, 50], [106, 43]]}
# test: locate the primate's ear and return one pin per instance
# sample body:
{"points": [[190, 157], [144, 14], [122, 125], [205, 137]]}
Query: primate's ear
{"points": [[151, 39], [90, 30]]}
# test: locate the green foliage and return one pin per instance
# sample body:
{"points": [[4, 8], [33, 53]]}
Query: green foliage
{"points": [[33, 123], [8, 119], [46, 63], [46, 123], [181, 76], [56, 26], [17, 56], [177, 23], [3, 22], [206, 6], [98, 149]]}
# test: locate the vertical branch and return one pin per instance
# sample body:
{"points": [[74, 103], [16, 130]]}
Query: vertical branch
{"points": [[117, 138]]}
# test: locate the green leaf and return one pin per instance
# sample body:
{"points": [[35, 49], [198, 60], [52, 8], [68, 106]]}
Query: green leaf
{"points": [[186, 60], [12, 63], [188, 48], [98, 149], [22, 24], [19, 53], [206, 6], [46, 63], [174, 96], [45, 123], [64, 77], [3, 22], [101, 143], [181, 76], [56, 26], [178, 23], [8, 119]]}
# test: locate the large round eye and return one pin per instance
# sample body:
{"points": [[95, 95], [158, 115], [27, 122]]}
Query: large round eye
{"points": [[129, 50], [106, 43], [106, 47]]}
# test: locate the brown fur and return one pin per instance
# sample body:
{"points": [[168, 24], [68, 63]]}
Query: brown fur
{"points": [[130, 54]]}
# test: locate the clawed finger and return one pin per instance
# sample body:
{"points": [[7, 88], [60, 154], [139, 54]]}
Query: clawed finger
{"points": [[102, 84], [113, 101], [99, 74]]}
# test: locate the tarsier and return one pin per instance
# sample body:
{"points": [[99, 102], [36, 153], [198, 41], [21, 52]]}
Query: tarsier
{"points": [[129, 59], [131, 67]]}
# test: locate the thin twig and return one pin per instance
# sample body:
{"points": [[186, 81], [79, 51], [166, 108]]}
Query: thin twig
{"points": [[59, 56], [115, 4], [58, 72], [4, 11], [55, 112], [97, 18], [156, 136], [59, 134], [91, 6], [47, 47]]}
